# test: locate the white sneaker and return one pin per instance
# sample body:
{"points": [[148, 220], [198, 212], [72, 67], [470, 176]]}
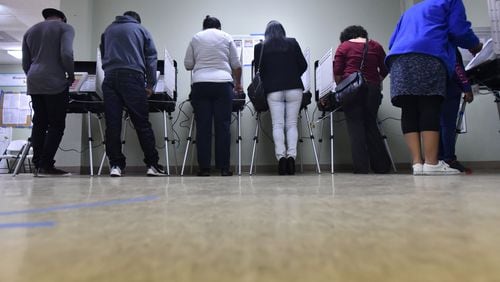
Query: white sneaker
{"points": [[418, 169], [115, 172], [441, 168], [156, 170]]}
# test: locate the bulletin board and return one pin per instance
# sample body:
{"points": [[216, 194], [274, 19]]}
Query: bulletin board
{"points": [[15, 104]]}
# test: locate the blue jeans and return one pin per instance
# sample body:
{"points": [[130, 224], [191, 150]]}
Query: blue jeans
{"points": [[449, 114], [212, 102], [126, 89]]}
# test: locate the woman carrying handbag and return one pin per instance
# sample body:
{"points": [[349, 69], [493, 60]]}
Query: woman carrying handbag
{"points": [[281, 67], [357, 53]]}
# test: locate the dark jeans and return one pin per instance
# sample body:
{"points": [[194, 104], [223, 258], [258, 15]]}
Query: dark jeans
{"points": [[126, 89], [367, 146], [212, 102], [449, 114], [49, 121]]}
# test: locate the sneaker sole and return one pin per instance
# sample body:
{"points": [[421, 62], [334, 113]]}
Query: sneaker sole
{"points": [[441, 172], [53, 175]]}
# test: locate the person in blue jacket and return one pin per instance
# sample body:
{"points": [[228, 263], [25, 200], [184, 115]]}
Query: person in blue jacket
{"points": [[421, 59]]}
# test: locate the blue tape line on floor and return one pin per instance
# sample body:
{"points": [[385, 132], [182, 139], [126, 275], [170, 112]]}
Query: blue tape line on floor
{"points": [[40, 224], [82, 206]]}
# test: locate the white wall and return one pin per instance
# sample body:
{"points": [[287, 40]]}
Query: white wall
{"points": [[315, 24]]}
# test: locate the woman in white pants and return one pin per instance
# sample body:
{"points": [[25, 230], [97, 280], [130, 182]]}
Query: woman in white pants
{"points": [[281, 69]]}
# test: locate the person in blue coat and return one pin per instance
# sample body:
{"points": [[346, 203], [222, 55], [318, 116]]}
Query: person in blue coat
{"points": [[421, 59]]}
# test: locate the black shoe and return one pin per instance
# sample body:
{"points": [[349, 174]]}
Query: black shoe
{"points": [[44, 172], [204, 172], [282, 166], [226, 172], [290, 166], [458, 166]]}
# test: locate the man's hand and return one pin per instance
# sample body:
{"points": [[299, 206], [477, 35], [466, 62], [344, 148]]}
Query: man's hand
{"points": [[149, 92], [468, 97], [476, 49], [238, 88], [70, 79]]}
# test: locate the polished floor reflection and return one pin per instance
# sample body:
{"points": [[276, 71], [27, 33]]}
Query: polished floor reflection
{"points": [[306, 228]]}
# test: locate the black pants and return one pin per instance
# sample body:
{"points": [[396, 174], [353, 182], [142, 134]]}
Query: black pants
{"points": [[367, 146], [49, 121], [212, 102], [420, 113], [125, 89]]}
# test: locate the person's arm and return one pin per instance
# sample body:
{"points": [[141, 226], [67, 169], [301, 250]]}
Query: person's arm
{"points": [[26, 56], [151, 63], [463, 81], [382, 68], [237, 80], [67, 52], [460, 31], [301, 61], [235, 64], [339, 65], [189, 58]]}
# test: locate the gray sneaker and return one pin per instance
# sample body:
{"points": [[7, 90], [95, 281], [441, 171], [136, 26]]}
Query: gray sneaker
{"points": [[156, 170]]}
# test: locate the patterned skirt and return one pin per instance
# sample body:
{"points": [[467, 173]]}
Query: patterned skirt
{"points": [[416, 74]]}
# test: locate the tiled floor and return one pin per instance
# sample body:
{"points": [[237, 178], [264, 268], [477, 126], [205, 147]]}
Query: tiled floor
{"points": [[306, 228]]}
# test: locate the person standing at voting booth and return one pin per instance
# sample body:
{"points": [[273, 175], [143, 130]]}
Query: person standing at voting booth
{"points": [[213, 60], [421, 59], [281, 68], [129, 61], [48, 63], [367, 146], [458, 84]]}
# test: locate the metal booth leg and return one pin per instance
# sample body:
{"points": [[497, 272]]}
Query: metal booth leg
{"points": [[188, 144], [386, 143], [313, 144], [255, 141], [332, 153], [165, 139], [89, 132]]}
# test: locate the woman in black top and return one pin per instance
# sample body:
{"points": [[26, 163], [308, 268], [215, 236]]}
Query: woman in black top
{"points": [[281, 69]]}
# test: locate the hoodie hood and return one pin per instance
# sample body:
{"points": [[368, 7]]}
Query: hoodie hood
{"points": [[125, 19]]}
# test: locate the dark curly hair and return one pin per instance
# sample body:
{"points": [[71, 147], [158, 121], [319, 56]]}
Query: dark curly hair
{"points": [[353, 31]]}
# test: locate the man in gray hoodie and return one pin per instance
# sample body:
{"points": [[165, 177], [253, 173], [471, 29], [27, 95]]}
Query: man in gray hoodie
{"points": [[48, 64], [129, 62]]}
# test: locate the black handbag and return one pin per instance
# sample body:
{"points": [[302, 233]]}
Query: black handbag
{"points": [[349, 90], [255, 90]]}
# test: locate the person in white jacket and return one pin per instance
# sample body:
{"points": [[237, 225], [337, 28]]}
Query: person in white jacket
{"points": [[216, 75]]}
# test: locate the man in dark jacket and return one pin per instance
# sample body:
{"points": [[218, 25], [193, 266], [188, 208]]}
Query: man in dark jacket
{"points": [[48, 64], [129, 63]]}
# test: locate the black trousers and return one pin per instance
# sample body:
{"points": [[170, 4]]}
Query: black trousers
{"points": [[367, 146], [49, 121], [212, 102]]}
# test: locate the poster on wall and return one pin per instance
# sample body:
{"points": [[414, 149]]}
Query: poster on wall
{"points": [[245, 45], [15, 104]]}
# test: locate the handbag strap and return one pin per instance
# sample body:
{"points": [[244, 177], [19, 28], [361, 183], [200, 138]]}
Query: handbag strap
{"points": [[260, 57], [365, 51]]}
